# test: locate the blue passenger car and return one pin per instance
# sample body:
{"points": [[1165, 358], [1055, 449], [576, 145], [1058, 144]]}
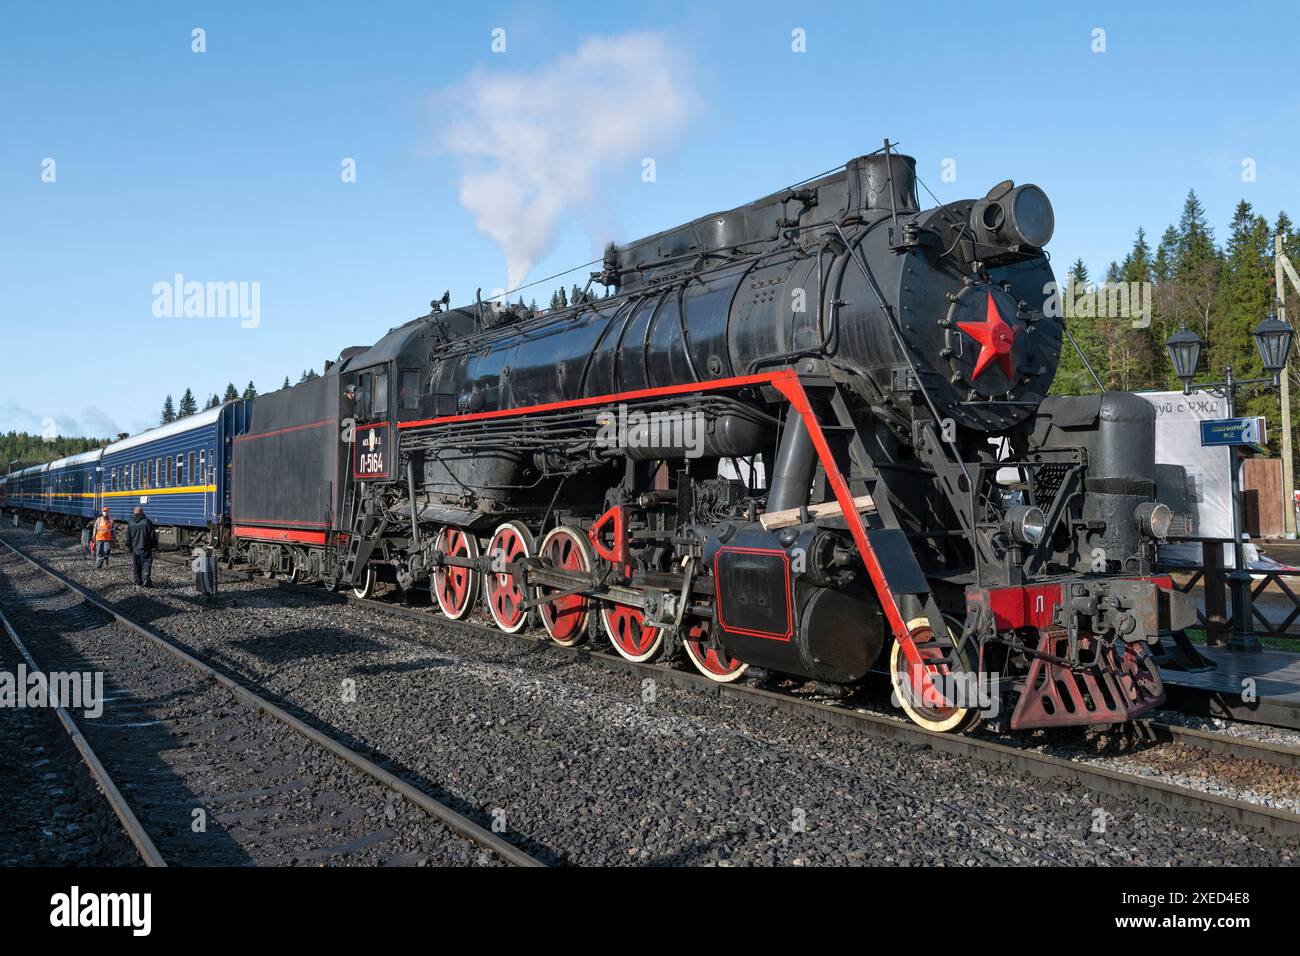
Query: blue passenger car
{"points": [[73, 485], [178, 472], [26, 489]]}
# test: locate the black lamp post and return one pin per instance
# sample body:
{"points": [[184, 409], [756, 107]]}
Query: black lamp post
{"points": [[1273, 340]]}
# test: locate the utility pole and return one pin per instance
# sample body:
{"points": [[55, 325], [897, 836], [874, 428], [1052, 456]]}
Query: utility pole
{"points": [[1282, 268]]}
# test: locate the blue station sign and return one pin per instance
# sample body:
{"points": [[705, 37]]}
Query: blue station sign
{"points": [[1233, 431]]}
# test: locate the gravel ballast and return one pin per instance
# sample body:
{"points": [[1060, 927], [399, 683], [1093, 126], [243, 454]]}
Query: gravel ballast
{"points": [[584, 765]]}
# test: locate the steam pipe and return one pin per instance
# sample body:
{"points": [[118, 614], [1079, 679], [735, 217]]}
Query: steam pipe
{"points": [[796, 462]]}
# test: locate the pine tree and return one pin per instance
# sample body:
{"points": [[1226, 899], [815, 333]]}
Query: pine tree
{"points": [[232, 393], [188, 405], [286, 382], [168, 412], [1137, 347], [1187, 265], [1243, 297], [213, 401], [1072, 376], [1195, 238], [249, 390], [1163, 264]]}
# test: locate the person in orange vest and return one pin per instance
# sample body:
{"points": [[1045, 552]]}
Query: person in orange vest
{"points": [[103, 538]]}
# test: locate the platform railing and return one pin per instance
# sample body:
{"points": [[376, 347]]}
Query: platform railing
{"points": [[1274, 605]]}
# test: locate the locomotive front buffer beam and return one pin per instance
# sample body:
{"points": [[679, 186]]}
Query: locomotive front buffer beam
{"points": [[1088, 642]]}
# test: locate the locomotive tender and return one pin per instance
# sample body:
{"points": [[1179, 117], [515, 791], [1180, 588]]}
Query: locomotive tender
{"points": [[876, 374]]}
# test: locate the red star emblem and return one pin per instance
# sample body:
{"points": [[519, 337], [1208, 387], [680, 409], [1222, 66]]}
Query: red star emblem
{"points": [[995, 338]]}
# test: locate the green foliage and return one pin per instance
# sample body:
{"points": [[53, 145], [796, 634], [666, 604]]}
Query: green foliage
{"points": [[188, 405], [168, 412], [35, 450], [1221, 293]]}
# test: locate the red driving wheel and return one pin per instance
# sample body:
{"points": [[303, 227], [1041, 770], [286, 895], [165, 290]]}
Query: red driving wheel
{"points": [[456, 587], [565, 617], [628, 632], [505, 598], [713, 662]]}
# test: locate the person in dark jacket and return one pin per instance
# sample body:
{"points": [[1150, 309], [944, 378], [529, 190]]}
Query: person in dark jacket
{"points": [[141, 538]]}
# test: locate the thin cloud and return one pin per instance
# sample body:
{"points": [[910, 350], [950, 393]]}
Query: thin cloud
{"points": [[92, 422]]}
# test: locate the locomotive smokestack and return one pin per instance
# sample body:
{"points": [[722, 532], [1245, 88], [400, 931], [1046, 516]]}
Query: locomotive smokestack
{"points": [[886, 182]]}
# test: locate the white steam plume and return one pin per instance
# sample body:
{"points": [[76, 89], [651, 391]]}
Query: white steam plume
{"points": [[535, 144]]}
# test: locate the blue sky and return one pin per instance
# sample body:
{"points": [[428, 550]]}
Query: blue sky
{"points": [[225, 166]]}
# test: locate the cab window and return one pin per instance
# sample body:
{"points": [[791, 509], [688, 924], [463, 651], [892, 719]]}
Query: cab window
{"points": [[408, 389], [379, 396]]}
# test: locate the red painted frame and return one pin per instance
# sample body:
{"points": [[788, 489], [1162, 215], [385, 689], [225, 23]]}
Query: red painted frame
{"points": [[786, 381], [279, 534], [789, 597]]}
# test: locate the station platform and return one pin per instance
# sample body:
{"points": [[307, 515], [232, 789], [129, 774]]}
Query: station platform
{"points": [[1223, 691]]}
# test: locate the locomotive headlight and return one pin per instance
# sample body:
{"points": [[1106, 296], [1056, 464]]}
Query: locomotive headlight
{"points": [[1025, 524], [1030, 220], [1014, 217], [1153, 519]]}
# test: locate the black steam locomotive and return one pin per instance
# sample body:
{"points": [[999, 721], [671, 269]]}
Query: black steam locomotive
{"points": [[808, 436]]}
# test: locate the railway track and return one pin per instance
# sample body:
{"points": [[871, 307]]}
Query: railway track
{"points": [[875, 725], [190, 713], [1149, 729], [880, 726]]}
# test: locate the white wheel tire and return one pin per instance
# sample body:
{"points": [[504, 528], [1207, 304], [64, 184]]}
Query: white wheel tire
{"points": [[955, 721], [367, 587]]}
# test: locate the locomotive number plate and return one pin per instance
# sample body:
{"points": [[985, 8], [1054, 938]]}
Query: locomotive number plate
{"points": [[370, 450]]}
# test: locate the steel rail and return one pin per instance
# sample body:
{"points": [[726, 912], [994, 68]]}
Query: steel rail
{"points": [[135, 830], [455, 821]]}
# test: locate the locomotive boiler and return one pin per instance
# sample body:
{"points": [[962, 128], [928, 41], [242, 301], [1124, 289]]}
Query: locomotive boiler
{"points": [[805, 438]]}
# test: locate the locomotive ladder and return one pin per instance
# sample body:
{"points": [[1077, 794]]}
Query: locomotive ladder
{"points": [[364, 531], [904, 575]]}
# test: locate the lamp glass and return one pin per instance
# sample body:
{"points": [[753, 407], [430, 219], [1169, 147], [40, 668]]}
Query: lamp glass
{"points": [[1185, 352], [1273, 339]]}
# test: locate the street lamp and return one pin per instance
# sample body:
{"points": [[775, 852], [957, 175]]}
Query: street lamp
{"points": [[1185, 351], [1273, 340]]}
